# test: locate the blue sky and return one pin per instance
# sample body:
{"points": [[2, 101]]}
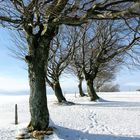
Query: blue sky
{"points": [[14, 77]]}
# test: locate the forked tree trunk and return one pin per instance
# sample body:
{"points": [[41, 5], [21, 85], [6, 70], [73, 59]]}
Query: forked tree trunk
{"points": [[37, 101], [91, 91], [80, 88], [37, 59], [58, 92]]}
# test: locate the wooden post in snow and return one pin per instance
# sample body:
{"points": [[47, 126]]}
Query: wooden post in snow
{"points": [[16, 115]]}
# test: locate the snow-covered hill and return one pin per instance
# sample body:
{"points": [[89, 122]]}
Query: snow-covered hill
{"points": [[115, 117]]}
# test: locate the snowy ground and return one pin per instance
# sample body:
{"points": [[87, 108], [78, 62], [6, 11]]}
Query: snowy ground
{"points": [[117, 117]]}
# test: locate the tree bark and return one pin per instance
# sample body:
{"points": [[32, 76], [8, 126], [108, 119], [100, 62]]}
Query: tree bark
{"points": [[38, 101], [37, 60], [80, 88], [58, 92], [91, 91]]}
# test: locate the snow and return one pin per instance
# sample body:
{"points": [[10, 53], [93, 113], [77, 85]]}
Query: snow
{"points": [[115, 117]]}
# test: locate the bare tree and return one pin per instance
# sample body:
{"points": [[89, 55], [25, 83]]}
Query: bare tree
{"points": [[40, 20], [106, 74], [74, 66], [100, 45], [61, 53], [76, 69]]}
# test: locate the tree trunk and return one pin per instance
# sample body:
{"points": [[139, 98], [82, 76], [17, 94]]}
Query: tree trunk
{"points": [[37, 59], [37, 72], [37, 101], [58, 92], [91, 91], [80, 88]]}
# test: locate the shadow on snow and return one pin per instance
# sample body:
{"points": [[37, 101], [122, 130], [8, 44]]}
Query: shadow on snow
{"points": [[106, 103], [63, 133]]}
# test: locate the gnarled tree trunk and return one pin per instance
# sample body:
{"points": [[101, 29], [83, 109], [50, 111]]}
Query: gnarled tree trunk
{"points": [[90, 88], [91, 91], [58, 92], [37, 72], [80, 88], [38, 103]]}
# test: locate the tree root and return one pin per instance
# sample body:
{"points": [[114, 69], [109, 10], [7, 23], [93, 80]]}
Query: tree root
{"points": [[39, 135], [66, 103]]}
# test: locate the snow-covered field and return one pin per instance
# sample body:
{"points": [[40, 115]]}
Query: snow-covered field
{"points": [[116, 117]]}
